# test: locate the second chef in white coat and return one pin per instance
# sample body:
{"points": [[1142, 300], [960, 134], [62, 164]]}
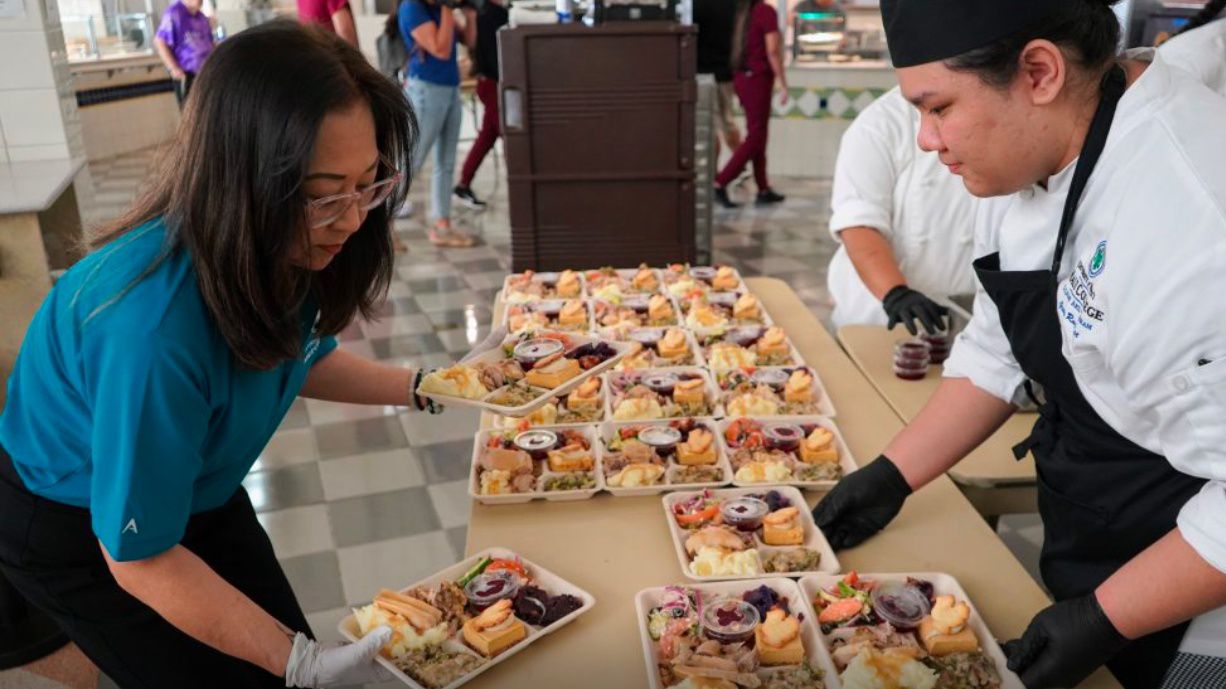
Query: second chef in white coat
{"points": [[1105, 287], [904, 224]]}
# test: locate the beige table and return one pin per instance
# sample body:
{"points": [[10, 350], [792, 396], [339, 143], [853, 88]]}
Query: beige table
{"points": [[990, 477], [614, 547]]}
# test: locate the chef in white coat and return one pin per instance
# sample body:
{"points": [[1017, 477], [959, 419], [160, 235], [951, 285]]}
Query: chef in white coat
{"points": [[1105, 286], [903, 223], [1200, 47]]}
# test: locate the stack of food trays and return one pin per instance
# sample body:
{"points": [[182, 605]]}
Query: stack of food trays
{"points": [[694, 349], [455, 625], [826, 631]]}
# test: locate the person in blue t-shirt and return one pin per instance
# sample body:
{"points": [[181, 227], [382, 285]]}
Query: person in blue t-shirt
{"points": [[160, 365], [429, 30]]}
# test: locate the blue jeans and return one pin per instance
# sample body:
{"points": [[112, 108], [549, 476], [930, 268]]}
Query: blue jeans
{"points": [[438, 116]]}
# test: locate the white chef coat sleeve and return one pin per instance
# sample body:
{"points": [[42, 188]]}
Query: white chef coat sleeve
{"points": [[981, 352], [867, 169], [1167, 351]]}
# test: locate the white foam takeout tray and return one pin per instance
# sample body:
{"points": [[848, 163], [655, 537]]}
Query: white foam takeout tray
{"points": [[943, 584], [582, 329], [612, 331], [765, 321], [825, 407], [712, 391], [610, 429], [553, 584], [543, 396], [626, 276], [474, 475], [846, 460], [507, 291], [815, 651], [695, 350], [797, 359], [740, 282], [814, 539]]}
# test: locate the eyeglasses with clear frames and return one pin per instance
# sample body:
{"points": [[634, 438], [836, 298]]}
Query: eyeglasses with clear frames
{"points": [[327, 210]]}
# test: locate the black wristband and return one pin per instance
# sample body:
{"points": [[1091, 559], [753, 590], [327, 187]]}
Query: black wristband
{"points": [[413, 396]]}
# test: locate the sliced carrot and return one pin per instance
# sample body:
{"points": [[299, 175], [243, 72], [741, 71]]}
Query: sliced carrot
{"points": [[701, 516], [840, 611]]}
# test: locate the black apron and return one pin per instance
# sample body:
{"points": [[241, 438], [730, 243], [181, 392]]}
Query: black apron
{"points": [[1102, 497]]}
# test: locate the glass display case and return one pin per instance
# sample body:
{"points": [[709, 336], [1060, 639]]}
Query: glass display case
{"points": [[833, 31], [108, 29]]}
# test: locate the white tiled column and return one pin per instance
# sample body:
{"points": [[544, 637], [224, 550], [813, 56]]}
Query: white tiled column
{"points": [[38, 108]]}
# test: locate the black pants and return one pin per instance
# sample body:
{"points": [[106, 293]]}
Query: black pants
{"points": [[182, 87], [50, 555]]}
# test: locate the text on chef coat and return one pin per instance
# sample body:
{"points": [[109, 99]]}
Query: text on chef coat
{"points": [[1076, 301]]}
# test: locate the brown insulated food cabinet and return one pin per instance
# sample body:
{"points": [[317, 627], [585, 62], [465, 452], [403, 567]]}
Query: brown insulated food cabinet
{"points": [[598, 125]]}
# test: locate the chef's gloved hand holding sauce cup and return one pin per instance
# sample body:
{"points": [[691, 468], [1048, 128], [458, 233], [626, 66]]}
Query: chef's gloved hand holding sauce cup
{"points": [[161, 363], [1093, 157]]}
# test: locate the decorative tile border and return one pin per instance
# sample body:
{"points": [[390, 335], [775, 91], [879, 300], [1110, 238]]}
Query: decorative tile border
{"points": [[823, 103]]}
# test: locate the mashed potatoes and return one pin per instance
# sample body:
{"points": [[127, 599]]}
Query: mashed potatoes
{"points": [[457, 381], [638, 409], [495, 482], [750, 404], [874, 670], [682, 287], [764, 472], [404, 637], [609, 292], [726, 356], [716, 562]]}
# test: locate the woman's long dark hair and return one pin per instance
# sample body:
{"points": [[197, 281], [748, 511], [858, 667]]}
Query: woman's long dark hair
{"points": [[230, 187], [740, 33]]}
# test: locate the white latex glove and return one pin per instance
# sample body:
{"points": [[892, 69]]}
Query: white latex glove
{"points": [[313, 665], [491, 341]]}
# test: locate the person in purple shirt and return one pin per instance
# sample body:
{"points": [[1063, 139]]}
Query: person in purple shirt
{"points": [[184, 40]]}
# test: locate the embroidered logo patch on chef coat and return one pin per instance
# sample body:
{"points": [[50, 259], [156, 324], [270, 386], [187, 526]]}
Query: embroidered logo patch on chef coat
{"points": [[1099, 260], [1078, 303]]}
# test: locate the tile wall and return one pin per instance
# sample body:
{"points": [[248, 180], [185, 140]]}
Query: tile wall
{"points": [[38, 108]]}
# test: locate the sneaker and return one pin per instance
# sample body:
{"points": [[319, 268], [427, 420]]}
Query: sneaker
{"points": [[468, 198], [721, 197], [769, 196]]}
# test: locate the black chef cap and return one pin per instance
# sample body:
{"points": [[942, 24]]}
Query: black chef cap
{"points": [[921, 31]]}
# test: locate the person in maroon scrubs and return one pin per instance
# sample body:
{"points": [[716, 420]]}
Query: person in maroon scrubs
{"points": [[757, 61]]}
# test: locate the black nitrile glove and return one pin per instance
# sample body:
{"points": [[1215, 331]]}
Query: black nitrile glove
{"points": [[1064, 643], [861, 503], [904, 305]]}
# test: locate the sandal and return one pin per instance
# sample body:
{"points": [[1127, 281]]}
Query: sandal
{"points": [[451, 239]]}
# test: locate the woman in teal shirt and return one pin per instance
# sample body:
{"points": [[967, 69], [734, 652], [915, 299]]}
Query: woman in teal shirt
{"points": [[160, 365]]}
